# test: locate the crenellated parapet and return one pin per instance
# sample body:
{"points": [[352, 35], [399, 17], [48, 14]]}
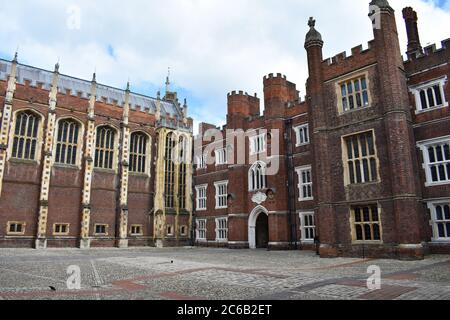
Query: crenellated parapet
{"points": [[278, 87], [342, 63], [240, 103], [432, 56]]}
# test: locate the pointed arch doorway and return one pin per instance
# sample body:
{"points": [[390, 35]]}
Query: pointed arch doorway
{"points": [[258, 228]]}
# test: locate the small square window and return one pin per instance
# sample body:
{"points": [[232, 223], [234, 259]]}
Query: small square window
{"points": [[183, 230], [101, 229], [136, 230], [61, 229], [16, 228], [170, 230]]}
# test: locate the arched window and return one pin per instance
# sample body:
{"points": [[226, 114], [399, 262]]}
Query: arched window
{"points": [[104, 148], [257, 176], [138, 153], [25, 136], [182, 175], [67, 142], [169, 169]]}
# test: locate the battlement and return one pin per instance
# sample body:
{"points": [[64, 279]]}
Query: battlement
{"points": [[343, 63], [240, 102], [431, 49], [242, 94], [355, 53], [277, 76], [431, 56]]}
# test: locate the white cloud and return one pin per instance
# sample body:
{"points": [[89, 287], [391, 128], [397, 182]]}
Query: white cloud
{"points": [[212, 46]]}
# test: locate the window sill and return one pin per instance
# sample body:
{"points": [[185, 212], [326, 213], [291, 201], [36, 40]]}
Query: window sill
{"points": [[258, 153], [305, 199], [258, 190], [23, 161], [221, 208], [436, 184], [139, 175], [445, 105], [368, 243], [440, 241], [302, 145], [341, 113], [201, 210], [100, 170], [363, 184], [66, 166]]}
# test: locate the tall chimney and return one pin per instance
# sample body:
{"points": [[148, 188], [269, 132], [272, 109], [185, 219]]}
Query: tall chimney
{"points": [[414, 46]]}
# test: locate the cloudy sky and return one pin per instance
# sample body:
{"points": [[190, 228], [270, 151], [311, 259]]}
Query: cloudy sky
{"points": [[211, 46]]}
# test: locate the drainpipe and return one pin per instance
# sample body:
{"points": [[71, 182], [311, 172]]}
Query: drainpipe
{"points": [[293, 234]]}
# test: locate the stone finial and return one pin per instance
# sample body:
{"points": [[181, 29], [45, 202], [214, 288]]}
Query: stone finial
{"points": [[94, 77], [57, 67], [128, 86], [168, 80], [313, 37], [380, 3], [158, 95], [16, 55]]}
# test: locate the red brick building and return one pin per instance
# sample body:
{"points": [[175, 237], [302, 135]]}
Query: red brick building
{"points": [[84, 164], [364, 160]]}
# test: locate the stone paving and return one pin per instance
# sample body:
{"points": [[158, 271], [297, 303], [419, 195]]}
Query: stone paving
{"points": [[215, 274]]}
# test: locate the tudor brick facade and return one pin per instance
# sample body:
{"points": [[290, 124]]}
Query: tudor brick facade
{"points": [[371, 141]]}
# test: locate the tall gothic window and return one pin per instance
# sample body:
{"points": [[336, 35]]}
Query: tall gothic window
{"points": [[182, 176], [138, 153], [25, 136], [104, 148], [257, 176], [169, 168], [67, 142]]}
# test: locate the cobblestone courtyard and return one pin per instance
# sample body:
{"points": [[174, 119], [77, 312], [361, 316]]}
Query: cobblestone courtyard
{"points": [[201, 274]]}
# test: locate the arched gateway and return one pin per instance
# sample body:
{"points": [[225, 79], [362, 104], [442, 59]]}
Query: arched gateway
{"points": [[258, 228]]}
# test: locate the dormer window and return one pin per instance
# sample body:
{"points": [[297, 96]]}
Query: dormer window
{"points": [[430, 95], [354, 94]]}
